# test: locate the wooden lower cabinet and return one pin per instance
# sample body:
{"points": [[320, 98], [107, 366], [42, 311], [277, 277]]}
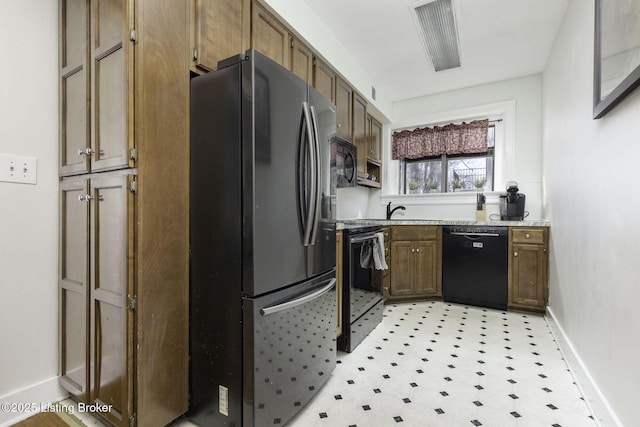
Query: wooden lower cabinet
{"points": [[95, 288], [528, 268], [416, 262]]}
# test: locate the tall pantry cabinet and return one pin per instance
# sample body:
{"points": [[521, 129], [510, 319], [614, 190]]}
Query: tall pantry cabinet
{"points": [[124, 189]]}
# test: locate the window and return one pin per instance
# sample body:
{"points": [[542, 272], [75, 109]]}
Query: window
{"points": [[448, 173]]}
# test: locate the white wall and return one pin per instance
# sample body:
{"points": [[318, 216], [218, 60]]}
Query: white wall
{"points": [[590, 178], [303, 21], [518, 102], [29, 213]]}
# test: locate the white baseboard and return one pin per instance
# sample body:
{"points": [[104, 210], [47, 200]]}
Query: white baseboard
{"points": [[34, 396], [597, 402]]}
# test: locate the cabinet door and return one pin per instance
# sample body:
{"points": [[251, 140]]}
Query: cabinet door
{"points": [[111, 286], [528, 276], [402, 268], [344, 110], [301, 60], [220, 29], [324, 79], [426, 268], [73, 287], [74, 87], [374, 138], [111, 135], [269, 36], [359, 131]]}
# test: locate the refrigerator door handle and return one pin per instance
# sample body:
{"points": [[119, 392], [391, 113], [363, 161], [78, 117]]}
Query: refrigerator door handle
{"points": [[298, 301], [313, 173], [316, 139]]}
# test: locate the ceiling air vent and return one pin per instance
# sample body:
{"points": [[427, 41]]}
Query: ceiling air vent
{"points": [[437, 27]]}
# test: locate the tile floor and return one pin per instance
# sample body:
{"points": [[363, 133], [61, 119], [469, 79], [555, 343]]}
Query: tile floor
{"points": [[439, 364], [433, 364]]}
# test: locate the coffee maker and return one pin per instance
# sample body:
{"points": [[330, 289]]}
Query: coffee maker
{"points": [[512, 203]]}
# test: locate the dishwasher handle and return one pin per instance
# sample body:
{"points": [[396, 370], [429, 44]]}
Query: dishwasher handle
{"points": [[471, 235]]}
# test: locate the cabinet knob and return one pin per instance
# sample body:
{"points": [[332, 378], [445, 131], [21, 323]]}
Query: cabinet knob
{"points": [[85, 198], [515, 254], [413, 250], [86, 152], [526, 236], [418, 250], [339, 125]]}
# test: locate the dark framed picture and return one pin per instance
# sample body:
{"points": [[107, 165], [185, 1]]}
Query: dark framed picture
{"points": [[616, 53]]}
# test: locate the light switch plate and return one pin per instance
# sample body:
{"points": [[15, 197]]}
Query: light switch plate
{"points": [[18, 169]]}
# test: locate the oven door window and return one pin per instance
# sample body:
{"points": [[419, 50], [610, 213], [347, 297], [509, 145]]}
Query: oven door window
{"points": [[363, 294]]}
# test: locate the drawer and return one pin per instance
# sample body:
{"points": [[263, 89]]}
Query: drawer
{"points": [[528, 235], [414, 232]]}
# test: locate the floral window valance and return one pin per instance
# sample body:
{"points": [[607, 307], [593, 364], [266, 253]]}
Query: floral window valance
{"points": [[465, 138]]}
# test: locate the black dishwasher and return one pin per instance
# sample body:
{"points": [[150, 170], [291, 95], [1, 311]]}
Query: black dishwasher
{"points": [[474, 265]]}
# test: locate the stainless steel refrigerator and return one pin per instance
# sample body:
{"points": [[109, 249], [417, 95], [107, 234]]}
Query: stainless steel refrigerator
{"points": [[262, 226]]}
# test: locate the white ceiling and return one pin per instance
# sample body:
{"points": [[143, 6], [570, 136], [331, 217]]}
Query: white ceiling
{"points": [[499, 40]]}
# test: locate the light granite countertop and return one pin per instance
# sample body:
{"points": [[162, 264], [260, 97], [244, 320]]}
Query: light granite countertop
{"points": [[384, 222]]}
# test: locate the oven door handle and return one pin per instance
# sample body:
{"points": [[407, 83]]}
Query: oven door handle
{"points": [[298, 301], [359, 239]]}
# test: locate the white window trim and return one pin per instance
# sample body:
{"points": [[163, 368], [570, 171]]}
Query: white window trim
{"points": [[504, 160]]}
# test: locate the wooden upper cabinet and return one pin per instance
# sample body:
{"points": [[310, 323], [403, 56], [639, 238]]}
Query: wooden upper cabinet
{"points": [[111, 85], [374, 139], [269, 36], [96, 81], [74, 86], [301, 60], [360, 131], [324, 79], [344, 110], [220, 30]]}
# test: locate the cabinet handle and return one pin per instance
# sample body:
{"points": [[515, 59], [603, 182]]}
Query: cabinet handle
{"points": [[515, 254]]}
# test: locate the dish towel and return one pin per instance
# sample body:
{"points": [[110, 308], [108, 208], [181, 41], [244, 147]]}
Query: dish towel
{"points": [[378, 252]]}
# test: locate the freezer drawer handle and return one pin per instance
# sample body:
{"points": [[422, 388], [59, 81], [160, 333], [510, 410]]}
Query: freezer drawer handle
{"points": [[298, 301]]}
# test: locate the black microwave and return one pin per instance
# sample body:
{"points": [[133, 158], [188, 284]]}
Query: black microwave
{"points": [[346, 156]]}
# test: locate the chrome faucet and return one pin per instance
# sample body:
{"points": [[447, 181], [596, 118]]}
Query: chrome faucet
{"points": [[391, 211]]}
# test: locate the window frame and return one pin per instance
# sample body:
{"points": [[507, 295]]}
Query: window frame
{"points": [[444, 165]]}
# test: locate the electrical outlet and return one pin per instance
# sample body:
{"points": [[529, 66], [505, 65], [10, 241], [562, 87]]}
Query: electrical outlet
{"points": [[18, 169]]}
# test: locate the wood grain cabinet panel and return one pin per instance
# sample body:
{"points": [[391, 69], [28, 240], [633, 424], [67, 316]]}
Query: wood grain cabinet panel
{"points": [[360, 131], [301, 60], [111, 93], [269, 36], [220, 30], [528, 268], [74, 287], [344, 110], [124, 228], [416, 262], [324, 79], [374, 139], [74, 86]]}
